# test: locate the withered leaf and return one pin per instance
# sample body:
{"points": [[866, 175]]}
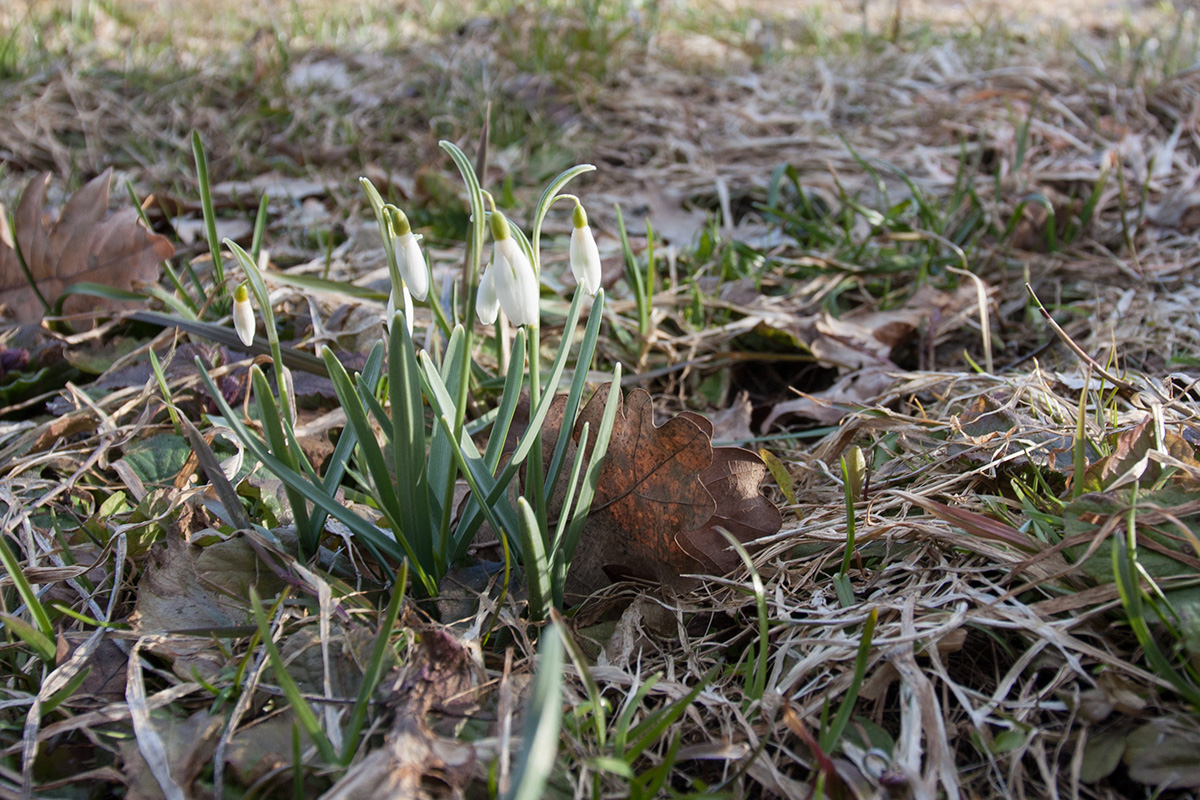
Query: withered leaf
{"points": [[417, 759], [649, 492], [82, 245], [663, 492], [733, 480]]}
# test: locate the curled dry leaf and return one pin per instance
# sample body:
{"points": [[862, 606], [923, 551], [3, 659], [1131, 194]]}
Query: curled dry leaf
{"points": [[663, 492], [82, 245]]}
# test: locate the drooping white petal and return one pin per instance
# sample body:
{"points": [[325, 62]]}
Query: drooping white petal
{"points": [[408, 309], [487, 305], [412, 264], [515, 284], [585, 259], [243, 316]]}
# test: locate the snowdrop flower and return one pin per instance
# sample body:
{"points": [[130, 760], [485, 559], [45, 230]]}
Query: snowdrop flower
{"points": [[487, 305], [408, 309], [509, 279], [585, 256], [243, 315], [408, 255]]}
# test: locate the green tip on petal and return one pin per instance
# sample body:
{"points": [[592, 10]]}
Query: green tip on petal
{"points": [[241, 294], [579, 216], [499, 226], [398, 219]]}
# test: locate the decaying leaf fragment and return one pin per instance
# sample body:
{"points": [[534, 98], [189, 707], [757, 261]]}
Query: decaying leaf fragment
{"points": [[82, 245], [415, 761], [663, 492]]}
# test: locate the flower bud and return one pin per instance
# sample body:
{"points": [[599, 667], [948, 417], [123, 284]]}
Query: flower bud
{"points": [[243, 315], [409, 258], [585, 256]]}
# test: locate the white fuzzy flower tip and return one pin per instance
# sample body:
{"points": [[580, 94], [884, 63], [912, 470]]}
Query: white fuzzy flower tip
{"points": [[408, 310], [243, 315], [412, 264], [515, 284], [487, 305], [585, 259]]}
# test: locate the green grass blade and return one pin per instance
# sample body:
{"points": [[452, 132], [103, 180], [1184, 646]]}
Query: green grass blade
{"points": [[621, 726], [537, 568], [831, 735], [758, 684], [474, 236], [260, 227], [633, 274], [300, 707], [368, 446], [580, 660], [42, 644], [372, 536], [316, 284], [1124, 562], [210, 215], [37, 611], [375, 665], [161, 379], [542, 721], [340, 458], [475, 470], [409, 452], [591, 479], [509, 397], [583, 360], [277, 441], [651, 729]]}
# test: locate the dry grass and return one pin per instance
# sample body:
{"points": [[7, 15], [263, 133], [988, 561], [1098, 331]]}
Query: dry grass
{"points": [[990, 667]]}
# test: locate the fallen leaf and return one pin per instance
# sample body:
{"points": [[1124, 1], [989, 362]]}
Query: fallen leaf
{"points": [[82, 245], [1127, 461], [733, 479], [861, 346], [1162, 754], [662, 494], [732, 424], [861, 389], [105, 681], [1101, 755], [189, 744], [975, 524], [866, 339], [187, 591], [416, 760], [649, 492]]}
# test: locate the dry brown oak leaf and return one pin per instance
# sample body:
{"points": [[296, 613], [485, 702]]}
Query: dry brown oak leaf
{"points": [[662, 493], [81, 245]]}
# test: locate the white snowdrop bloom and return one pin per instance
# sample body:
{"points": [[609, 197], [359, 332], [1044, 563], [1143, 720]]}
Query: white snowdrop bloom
{"points": [[514, 282], [487, 305], [409, 257], [585, 256], [243, 315], [408, 309]]}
